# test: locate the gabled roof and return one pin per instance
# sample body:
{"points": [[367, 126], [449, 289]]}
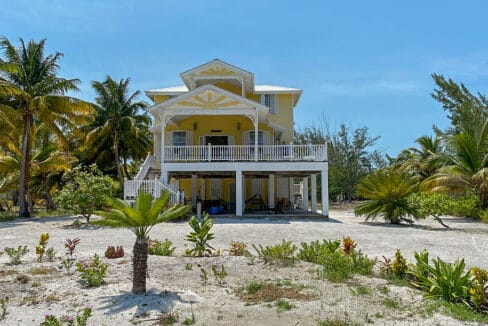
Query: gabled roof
{"points": [[217, 69]]}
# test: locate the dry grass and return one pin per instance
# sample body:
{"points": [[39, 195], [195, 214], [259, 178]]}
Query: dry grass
{"points": [[267, 292]]}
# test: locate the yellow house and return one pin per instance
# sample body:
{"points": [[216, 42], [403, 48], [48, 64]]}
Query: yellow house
{"points": [[223, 141]]}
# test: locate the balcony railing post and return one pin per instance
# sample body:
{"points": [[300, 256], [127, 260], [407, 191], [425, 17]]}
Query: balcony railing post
{"points": [[209, 152]]}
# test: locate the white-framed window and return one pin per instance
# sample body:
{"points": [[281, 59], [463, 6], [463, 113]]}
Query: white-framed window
{"points": [[215, 188], [252, 137], [270, 100], [179, 138]]}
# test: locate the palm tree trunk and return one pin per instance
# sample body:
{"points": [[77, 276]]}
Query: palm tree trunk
{"points": [[50, 204], [117, 159], [139, 266], [24, 166]]}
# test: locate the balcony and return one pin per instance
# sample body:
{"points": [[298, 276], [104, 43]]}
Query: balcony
{"points": [[243, 153]]}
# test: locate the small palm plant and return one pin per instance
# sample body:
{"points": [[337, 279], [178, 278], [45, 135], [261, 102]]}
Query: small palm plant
{"points": [[386, 193], [140, 220], [200, 236]]}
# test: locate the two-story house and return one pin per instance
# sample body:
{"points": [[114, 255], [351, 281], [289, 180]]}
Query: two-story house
{"points": [[220, 137]]}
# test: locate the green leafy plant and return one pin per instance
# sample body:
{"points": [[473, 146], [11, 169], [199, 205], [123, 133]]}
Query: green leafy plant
{"points": [[339, 267], [420, 268], [158, 248], [444, 280], [385, 266], [316, 252], [283, 305], [86, 190], [140, 219], [51, 254], [399, 265], [200, 236], [16, 254], [219, 275], [67, 264], [386, 192], [81, 319], [114, 252], [3, 307], [188, 266], [478, 293], [203, 276], [93, 273], [282, 253], [238, 248]]}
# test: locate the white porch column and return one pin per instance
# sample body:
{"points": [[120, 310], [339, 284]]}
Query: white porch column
{"points": [[157, 147], [202, 189], [193, 190], [291, 192], [314, 193], [325, 193], [271, 186], [256, 123], [305, 194], [164, 176], [239, 193]]}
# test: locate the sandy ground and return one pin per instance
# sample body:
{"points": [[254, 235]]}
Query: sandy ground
{"points": [[172, 288]]}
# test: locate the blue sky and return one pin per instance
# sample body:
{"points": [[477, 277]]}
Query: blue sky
{"points": [[363, 63]]}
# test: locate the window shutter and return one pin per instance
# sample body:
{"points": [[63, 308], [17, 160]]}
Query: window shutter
{"points": [[266, 138], [189, 138], [168, 138], [274, 107], [230, 140], [245, 138], [201, 141]]}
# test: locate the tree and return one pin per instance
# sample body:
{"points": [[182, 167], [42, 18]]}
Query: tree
{"points": [[140, 220], [29, 85], [121, 128], [86, 191], [386, 192]]}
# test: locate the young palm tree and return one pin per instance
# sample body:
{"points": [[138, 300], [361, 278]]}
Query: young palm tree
{"points": [[121, 126], [28, 84], [140, 221], [386, 193]]}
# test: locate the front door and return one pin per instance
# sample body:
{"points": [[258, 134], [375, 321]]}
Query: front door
{"points": [[217, 140]]}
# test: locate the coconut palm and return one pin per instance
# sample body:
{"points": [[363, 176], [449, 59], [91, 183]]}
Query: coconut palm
{"points": [[140, 220], [386, 193], [424, 160], [29, 85], [121, 128]]}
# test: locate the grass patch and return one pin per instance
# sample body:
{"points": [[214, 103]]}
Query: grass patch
{"points": [[284, 305], [267, 292], [42, 270], [457, 311], [384, 289], [337, 322], [361, 290], [390, 303]]}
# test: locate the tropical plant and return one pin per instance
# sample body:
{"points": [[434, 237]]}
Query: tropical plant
{"points": [[316, 252], [121, 128], [140, 219], [161, 248], [399, 265], [201, 235], [85, 190], [70, 245], [238, 248], [478, 292], [386, 193], [30, 87], [16, 254], [93, 272], [282, 253], [41, 247]]}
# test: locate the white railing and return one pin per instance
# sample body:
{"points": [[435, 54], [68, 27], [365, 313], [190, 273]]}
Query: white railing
{"points": [[148, 162], [133, 187], [245, 153]]}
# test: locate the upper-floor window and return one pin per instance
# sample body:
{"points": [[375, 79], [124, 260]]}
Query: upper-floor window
{"points": [[179, 138], [252, 137], [270, 100]]}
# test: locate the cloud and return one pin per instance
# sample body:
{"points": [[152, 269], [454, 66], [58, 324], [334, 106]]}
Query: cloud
{"points": [[468, 66]]}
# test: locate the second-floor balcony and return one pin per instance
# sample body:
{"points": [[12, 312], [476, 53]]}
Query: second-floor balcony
{"points": [[264, 153]]}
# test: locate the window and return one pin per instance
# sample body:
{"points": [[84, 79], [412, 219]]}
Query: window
{"points": [[179, 138], [270, 101], [251, 137]]}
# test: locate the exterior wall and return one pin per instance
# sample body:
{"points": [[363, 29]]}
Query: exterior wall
{"points": [[227, 124], [284, 117]]}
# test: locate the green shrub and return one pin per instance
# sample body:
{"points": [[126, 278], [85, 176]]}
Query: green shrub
{"points": [[158, 248], [316, 252], [16, 254], [399, 265], [444, 280], [92, 273], [200, 236], [85, 191], [282, 253], [339, 266], [478, 293]]}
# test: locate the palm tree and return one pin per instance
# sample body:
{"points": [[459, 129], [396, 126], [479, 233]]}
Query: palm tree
{"points": [[386, 193], [121, 128], [140, 220], [28, 84]]}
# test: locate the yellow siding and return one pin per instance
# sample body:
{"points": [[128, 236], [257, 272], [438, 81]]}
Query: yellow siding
{"points": [[160, 98], [284, 117]]}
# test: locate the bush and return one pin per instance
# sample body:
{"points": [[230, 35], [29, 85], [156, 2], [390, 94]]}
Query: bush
{"points": [[282, 253], [112, 252], [85, 191], [200, 236], [16, 254], [159, 248], [478, 293], [92, 273], [317, 252], [399, 265]]}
